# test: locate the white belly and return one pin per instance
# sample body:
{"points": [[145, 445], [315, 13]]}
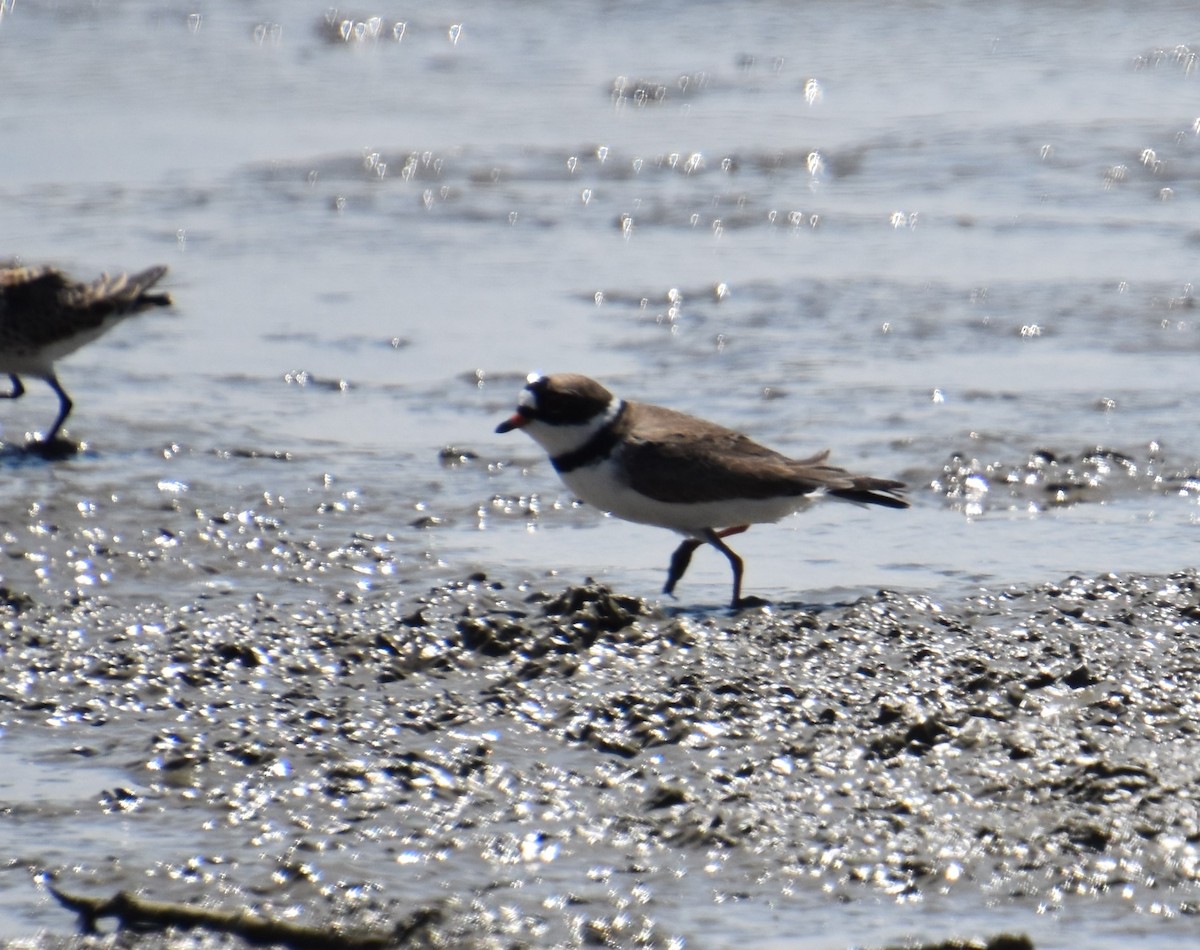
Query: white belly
{"points": [[599, 487], [25, 359]]}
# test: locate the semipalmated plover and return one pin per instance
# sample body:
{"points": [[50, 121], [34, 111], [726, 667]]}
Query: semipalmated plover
{"points": [[44, 315], [661, 467]]}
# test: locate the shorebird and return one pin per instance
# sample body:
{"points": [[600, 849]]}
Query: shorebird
{"points": [[657, 466], [44, 315]]}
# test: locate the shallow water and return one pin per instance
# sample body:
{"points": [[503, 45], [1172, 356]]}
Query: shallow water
{"points": [[954, 246]]}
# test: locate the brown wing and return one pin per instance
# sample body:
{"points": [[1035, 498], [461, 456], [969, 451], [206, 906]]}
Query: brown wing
{"points": [[48, 306], [676, 457], [31, 307], [31, 289]]}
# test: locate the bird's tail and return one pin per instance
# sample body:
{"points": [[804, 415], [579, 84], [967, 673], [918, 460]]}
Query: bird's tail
{"points": [[846, 486], [130, 292], [867, 490]]}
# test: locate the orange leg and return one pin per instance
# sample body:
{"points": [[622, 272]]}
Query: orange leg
{"points": [[683, 557]]}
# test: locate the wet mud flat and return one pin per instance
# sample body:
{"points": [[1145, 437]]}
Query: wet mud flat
{"points": [[522, 764]]}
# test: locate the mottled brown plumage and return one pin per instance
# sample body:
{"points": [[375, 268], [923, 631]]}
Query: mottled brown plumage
{"points": [[44, 315]]}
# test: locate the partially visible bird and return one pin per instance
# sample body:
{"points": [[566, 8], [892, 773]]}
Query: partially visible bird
{"points": [[44, 315], [661, 467]]}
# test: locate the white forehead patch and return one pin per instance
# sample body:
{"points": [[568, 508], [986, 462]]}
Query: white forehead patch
{"points": [[527, 399]]}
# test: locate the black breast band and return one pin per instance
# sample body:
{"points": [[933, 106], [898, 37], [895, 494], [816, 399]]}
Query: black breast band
{"points": [[594, 449]]}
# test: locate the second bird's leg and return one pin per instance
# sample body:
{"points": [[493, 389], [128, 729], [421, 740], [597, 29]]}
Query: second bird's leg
{"points": [[18, 389], [64, 407]]}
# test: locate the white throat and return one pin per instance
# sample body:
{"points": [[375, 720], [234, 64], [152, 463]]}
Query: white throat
{"points": [[560, 439]]}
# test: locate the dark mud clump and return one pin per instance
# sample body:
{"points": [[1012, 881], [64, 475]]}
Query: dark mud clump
{"points": [[575, 767]]}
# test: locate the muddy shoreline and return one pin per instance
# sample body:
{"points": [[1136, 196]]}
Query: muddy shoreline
{"points": [[573, 766]]}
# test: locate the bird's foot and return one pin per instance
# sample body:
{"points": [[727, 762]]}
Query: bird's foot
{"points": [[742, 603], [54, 449]]}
